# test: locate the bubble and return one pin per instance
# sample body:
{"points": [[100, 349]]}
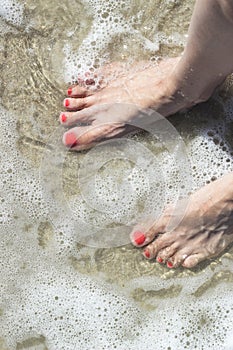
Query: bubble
{"points": [[108, 23], [119, 182], [11, 11], [46, 301]]}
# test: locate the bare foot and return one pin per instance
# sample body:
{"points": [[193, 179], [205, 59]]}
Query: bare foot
{"points": [[204, 232], [142, 86]]}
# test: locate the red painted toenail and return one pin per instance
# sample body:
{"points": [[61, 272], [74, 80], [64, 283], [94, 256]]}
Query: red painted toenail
{"points": [[67, 103], [63, 118], [69, 91], [139, 237], [147, 253], [169, 264], [71, 139], [160, 260]]}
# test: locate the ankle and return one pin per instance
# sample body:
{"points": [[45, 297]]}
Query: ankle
{"points": [[194, 86], [175, 96]]}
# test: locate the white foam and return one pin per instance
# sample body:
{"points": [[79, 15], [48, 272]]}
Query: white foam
{"points": [[62, 310], [11, 11], [43, 295], [108, 23]]}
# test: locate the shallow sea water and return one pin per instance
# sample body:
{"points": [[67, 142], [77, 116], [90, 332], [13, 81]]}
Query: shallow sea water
{"points": [[62, 285]]}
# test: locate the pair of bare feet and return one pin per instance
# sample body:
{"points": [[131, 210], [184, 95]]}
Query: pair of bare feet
{"points": [[207, 226]]}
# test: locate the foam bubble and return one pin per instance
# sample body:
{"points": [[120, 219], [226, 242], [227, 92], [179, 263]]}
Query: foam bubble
{"points": [[108, 23], [12, 11], [46, 306]]}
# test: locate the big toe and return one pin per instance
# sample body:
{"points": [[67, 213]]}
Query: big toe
{"points": [[80, 136], [144, 233]]}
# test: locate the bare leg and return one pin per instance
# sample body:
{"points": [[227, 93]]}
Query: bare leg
{"points": [[207, 228], [173, 85], [207, 58]]}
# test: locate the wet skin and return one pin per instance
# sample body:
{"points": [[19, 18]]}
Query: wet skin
{"points": [[144, 86], [204, 232], [207, 226]]}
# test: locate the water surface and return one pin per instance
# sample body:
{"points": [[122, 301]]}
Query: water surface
{"points": [[57, 292]]}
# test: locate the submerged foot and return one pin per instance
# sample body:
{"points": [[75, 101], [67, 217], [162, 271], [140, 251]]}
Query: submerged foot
{"points": [[93, 102], [207, 226], [204, 232]]}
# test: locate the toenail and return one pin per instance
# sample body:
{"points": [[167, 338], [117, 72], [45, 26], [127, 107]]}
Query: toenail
{"points": [[169, 264], [63, 118], [71, 139], [160, 260], [146, 253], [69, 91], [67, 103], [139, 237]]}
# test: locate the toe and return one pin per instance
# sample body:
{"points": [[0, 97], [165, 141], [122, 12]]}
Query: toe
{"points": [[70, 118], [78, 91], [81, 136], [194, 259], [74, 104], [179, 256], [85, 115], [145, 233], [156, 246], [165, 254], [78, 136]]}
